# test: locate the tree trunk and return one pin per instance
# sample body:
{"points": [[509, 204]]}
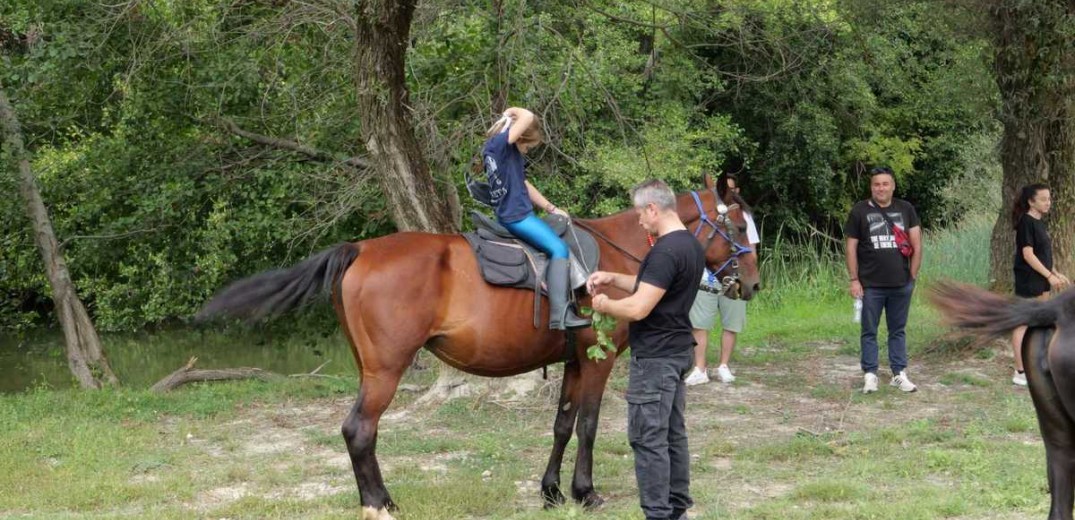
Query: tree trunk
{"points": [[382, 32], [1035, 72], [85, 356], [381, 40]]}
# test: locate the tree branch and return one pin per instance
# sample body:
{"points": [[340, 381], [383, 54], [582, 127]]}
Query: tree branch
{"points": [[187, 374], [106, 237], [286, 144]]}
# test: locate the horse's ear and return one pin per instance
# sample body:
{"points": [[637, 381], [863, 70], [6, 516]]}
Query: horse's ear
{"points": [[708, 181]]}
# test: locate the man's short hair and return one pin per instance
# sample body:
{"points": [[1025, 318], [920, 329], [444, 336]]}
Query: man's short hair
{"points": [[654, 191], [882, 170]]}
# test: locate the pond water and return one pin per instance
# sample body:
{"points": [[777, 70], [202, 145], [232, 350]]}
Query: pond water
{"points": [[141, 359]]}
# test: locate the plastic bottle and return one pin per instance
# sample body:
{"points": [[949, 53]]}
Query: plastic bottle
{"points": [[858, 310]]}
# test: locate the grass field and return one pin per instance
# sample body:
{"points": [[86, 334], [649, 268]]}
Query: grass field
{"points": [[791, 439]]}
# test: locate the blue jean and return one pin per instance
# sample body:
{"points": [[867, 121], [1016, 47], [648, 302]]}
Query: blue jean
{"points": [[896, 303], [538, 234]]}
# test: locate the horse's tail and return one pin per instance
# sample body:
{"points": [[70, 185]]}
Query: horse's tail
{"points": [[275, 292], [987, 314]]}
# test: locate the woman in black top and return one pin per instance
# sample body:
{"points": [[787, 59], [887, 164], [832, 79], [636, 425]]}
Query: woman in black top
{"points": [[1033, 266]]}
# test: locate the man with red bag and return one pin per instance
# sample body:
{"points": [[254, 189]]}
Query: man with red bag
{"points": [[884, 254]]}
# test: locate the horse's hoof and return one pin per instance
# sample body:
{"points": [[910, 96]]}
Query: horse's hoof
{"points": [[590, 501], [553, 497], [370, 513]]}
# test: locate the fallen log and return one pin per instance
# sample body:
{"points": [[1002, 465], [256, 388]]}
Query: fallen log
{"points": [[188, 374]]}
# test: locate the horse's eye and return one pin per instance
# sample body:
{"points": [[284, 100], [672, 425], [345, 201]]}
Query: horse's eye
{"points": [[743, 228]]}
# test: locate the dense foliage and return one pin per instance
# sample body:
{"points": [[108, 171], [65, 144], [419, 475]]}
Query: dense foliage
{"points": [[127, 107]]}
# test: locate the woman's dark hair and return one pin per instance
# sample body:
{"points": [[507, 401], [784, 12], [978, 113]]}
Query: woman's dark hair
{"points": [[1022, 203], [722, 183], [723, 191]]}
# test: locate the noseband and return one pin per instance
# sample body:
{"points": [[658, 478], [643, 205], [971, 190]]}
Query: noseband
{"points": [[727, 230]]}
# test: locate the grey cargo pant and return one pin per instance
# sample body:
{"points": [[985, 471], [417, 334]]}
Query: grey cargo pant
{"points": [[657, 431]]}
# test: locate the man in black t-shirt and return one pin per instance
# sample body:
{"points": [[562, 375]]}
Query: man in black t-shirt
{"points": [[662, 349], [881, 276]]}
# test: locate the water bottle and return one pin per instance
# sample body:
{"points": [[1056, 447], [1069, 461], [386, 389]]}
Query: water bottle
{"points": [[858, 310]]}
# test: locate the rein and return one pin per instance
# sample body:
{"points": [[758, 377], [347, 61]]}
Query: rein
{"points": [[602, 236]]}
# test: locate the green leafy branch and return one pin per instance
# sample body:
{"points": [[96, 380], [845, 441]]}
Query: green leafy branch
{"points": [[603, 325]]}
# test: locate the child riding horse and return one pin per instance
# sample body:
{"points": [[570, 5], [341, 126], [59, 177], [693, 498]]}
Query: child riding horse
{"points": [[397, 294]]}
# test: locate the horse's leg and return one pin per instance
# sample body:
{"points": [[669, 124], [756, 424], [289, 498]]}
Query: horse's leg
{"points": [[383, 357], [593, 378], [566, 411], [1060, 467], [1057, 428], [360, 433]]}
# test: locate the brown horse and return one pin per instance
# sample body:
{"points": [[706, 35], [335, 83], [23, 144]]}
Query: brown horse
{"points": [[397, 294], [1049, 361]]}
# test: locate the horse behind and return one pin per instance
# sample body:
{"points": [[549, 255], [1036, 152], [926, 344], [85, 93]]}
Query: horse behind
{"points": [[403, 292], [1049, 362]]}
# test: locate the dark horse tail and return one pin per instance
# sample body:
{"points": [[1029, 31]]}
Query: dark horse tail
{"points": [[988, 314], [275, 292]]}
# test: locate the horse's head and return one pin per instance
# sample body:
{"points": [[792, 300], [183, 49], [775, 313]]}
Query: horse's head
{"points": [[720, 226]]}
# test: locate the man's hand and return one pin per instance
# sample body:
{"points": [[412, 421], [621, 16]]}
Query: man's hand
{"points": [[856, 289], [598, 302], [599, 280]]}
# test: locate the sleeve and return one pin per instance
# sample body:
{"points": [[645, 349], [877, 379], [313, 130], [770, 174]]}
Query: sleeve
{"points": [[660, 270], [752, 230], [912, 217], [1024, 235], [496, 145], [852, 228]]}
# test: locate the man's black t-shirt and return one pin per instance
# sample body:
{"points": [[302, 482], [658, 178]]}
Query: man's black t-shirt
{"points": [[879, 260], [674, 264]]}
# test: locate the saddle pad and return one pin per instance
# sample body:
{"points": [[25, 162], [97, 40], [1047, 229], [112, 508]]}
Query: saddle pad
{"points": [[510, 262]]}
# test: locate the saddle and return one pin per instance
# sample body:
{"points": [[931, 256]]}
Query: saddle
{"points": [[507, 261]]}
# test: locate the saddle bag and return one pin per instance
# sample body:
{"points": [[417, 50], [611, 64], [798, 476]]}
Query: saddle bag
{"points": [[503, 264]]}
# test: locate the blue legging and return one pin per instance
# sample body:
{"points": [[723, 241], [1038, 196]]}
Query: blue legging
{"points": [[538, 234]]}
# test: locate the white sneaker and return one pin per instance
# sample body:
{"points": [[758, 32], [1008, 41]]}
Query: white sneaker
{"points": [[725, 374], [869, 384], [1019, 379], [902, 382], [697, 376]]}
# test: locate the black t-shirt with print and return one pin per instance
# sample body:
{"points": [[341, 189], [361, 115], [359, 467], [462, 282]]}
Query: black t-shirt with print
{"points": [[879, 260], [674, 264]]}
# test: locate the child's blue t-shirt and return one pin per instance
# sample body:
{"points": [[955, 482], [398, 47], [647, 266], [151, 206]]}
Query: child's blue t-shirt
{"points": [[504, 167]]}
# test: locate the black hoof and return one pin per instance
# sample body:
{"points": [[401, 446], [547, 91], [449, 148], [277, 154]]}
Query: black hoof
{"points": [[590, 500], [391, 506], [552, 496]]}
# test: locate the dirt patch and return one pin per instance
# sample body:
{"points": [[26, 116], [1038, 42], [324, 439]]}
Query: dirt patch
{"points": [[818, 395]]}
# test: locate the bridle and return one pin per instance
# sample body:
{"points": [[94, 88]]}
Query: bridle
{"points": [[723, 226], [727, 230]]}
